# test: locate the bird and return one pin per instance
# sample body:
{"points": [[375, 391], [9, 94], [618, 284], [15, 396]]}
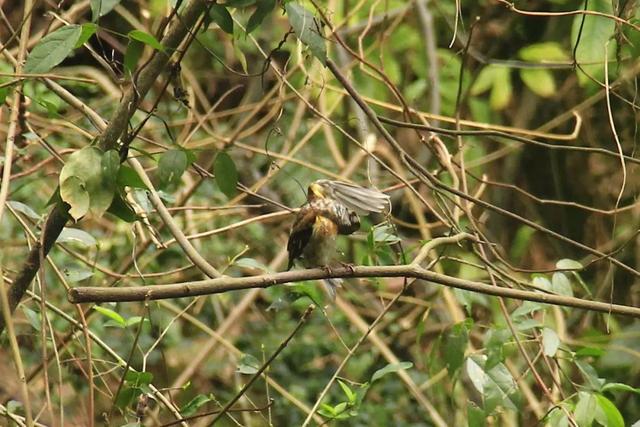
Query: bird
{"points": [[332, 209]]}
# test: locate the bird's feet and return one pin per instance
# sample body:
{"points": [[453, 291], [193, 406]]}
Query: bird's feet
{"points": [[348, 266]]}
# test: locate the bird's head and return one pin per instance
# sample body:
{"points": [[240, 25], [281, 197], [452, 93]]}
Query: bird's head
{"points": [[316, 191]]}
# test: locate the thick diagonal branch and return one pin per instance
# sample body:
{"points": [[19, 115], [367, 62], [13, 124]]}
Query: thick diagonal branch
{"points": [[174, 36]]}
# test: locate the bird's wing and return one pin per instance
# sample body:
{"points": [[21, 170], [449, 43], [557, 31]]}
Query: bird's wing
{"points": [[300, 233], [359, 199]]}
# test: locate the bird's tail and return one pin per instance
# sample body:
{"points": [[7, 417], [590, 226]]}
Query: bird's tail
{"points": [[330, 286]]}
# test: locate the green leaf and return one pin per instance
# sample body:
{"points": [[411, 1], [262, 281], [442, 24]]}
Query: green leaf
{"points": [[455, 346], [88, 29], [127, 396], [561, 285], [111, 315], [543, 52], [52, 49], [76, 275], [239, 3], [251, 263], [351, 395], [90, 183], [550, 342], [132, 55], [307, 29], [585, 409], [390, 368], [171, 166], [501, 90], [607, 414], [620, 387], [263, 8], [485, 80], [527, 307], [74, 192], [24, 209], [110, 164], [129, 177], [540, 81], [138, 378], [475, 415], [226, 174], [596, 32], [73, 235], [500, 390], [569, 264], [589, 352], [121, 209], [194, 404], [384, 233], [248, 365], [221, 16], [593, 382], [99, 8], [145, 38]]}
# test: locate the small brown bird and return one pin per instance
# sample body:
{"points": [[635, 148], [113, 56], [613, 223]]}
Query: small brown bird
{"points": [[332, 208]]}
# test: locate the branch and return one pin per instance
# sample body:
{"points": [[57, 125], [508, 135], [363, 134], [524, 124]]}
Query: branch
{"points": [[96, 294], [109, 139]]}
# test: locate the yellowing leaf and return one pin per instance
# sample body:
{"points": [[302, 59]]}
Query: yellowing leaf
{"points": [[539, 80]]}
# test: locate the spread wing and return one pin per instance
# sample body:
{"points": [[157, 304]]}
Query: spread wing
{"points": [[359, 199], [300, 233]]}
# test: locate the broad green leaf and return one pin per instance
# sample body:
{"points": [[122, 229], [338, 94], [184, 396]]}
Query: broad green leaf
{"points": [[111, 315], [91, 183], [585, 409], [596, 32], [221, 16], [540, 81], [527, 307], [132, 55], [194, 404], [74, 235], [127, 396], [543, 52], [171, 166], [146, 38], [474, 367], [52, 49], [74, 192], [485, 80], [557, 418], [307, 29], [121, 208], [542, 283], [99, 8], [569, 264], [620, 387], [239, 3], [128, 177], [251, 263], [138, 378], [500, 390], [455, 346], [550, 342], [392, 367], [494, 347], [561, 285], [226, 174], [607, 414], [110, 166], [24, 209], [34, 318], [263, 8], [593, 382], [76, 275], [589, 352], [88, 29], [384, 233], [475, 415], [501, 90], [248, 365]]}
